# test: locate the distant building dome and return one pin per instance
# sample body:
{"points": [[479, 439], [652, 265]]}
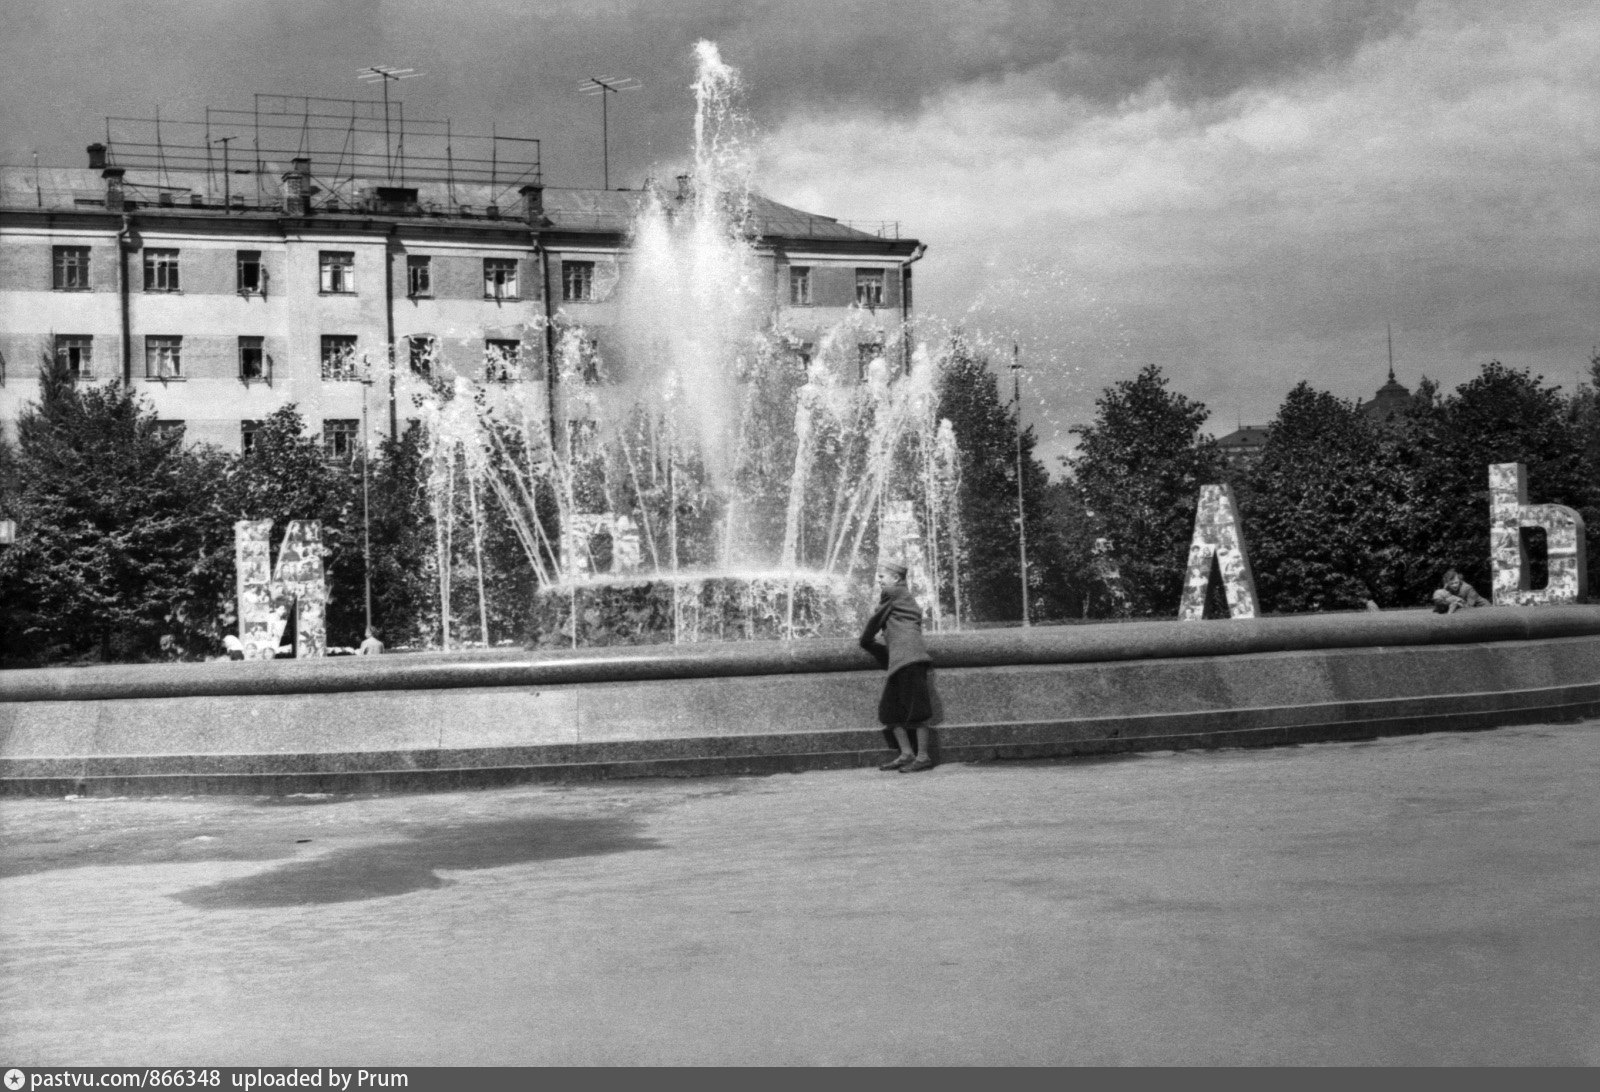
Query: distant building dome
{"points": [[1390, 401]]}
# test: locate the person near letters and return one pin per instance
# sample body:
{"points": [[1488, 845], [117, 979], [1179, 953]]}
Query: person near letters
{"points": [[906, 704], [1456, 593]]}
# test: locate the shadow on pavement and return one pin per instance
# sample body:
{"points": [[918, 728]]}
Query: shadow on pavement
{"points": [[395, 868]]}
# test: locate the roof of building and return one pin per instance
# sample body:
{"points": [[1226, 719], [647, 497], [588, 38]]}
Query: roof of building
{"points": [[1244, 436], [565, 209]]}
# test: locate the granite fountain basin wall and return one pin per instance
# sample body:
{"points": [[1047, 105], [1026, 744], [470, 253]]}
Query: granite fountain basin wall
{"points": [[442, 721]]}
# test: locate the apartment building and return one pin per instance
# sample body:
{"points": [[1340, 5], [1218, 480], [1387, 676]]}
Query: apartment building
{"points": [[222, 307]]}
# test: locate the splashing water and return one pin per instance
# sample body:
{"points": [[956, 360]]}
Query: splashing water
{"points": [[696, 450]]}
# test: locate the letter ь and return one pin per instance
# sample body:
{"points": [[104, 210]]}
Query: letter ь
{"points": [[267, 593], [1509, 512]]}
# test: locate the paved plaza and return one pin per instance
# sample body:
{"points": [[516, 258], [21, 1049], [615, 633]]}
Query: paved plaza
{"points": [[1430, 899]]}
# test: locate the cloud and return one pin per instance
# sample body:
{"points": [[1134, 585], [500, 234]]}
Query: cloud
{"points": [[1440, 179], [519, 66], [1244, 193]]}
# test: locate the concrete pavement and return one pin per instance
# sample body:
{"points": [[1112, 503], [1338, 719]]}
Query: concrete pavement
{"points": [[1425, 899]]}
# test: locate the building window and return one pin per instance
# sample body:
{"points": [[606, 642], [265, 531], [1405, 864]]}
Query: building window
{"points": [[169, 429], [422, 351], [590, 364], [338, 271], [163, 357], [583, 436], [500, 278], [252, 359], [502, 358], [419, 275], [160, 270], [252, 277], [803, 354], [339, 357], [577, 281], [800, 285], [247, 435], [76, 352], [869, 287], [71, 269], [339, 437], [867, 352]]}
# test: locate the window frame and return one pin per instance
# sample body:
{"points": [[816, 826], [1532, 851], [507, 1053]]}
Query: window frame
{"points": [[800, 286], [871, 287], [167, 348], [248, 430], [866, 353], [508, 366], [348, 435], [419, 348], [83, 369], [67, 264], [336, 272], [497, 289], [419, 267], [344, 345], [263, 372], [570, 267], [161, 270], [243, 260]]}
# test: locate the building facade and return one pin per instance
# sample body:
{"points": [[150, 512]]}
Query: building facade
{"points": [[222, 308]]}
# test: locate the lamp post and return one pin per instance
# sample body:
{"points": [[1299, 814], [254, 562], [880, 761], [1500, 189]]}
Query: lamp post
{"points": [[1022, 525], [366, 518]]}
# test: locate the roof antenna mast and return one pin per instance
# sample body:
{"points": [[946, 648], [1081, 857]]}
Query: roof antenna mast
{"points": [[387, 74], [1390, 327], [605, 86]]}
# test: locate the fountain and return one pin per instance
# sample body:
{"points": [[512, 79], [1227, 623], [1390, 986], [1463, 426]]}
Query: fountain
{"points": [[701, 480], [696, 482]]}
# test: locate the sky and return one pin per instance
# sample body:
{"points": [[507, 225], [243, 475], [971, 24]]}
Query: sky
{"points": [[1248, 194]]}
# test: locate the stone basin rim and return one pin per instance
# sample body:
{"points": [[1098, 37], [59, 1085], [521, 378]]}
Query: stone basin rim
{"points": [[1092, 643]]}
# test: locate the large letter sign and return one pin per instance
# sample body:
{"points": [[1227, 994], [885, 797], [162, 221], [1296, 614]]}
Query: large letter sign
{"points": [[266, 593], [1509, 512], [1217, 535]]}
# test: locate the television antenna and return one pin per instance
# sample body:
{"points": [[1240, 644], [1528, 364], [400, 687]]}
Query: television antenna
{"points": [[606, 86], [386, 74]]}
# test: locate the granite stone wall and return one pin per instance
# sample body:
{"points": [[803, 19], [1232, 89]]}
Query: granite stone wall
{"points": [[442, 721]]}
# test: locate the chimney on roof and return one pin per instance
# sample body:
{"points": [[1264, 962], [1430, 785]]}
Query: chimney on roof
{"points": [[297, 187], [97, 157], [115, 198], [532, 202]]}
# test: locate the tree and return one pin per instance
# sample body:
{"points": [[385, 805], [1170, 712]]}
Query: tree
{"points": [[986, 438], [1325, 508], [1503, 415], [110, 523], [284, 476], [1077, 586], [1584, 413], [404, 589], [1139, 467]]}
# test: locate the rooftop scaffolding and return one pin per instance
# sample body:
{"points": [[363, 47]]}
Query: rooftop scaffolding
{"points": [[350, 143]]}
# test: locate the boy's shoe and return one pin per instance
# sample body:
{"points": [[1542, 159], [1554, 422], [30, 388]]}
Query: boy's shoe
{"points": [[916, 765], [897, 762]]}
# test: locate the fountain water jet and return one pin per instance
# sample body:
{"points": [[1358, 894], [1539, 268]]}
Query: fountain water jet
{"points": [[708, 481]]}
